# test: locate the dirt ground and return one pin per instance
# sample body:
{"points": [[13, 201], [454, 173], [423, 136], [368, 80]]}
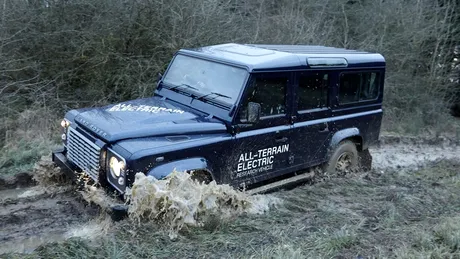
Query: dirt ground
{"points": [[406, 207], [33, 216]]}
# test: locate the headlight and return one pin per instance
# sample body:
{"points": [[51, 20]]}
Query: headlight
{"points": [[65, 123], [116, 166]]}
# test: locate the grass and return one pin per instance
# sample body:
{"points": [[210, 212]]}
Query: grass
{"points": [[441, 124], [30, 135], [389, 215], [22, 156]]}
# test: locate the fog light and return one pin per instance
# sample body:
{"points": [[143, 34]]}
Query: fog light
{"points": [[63, 136], [121, 181]]}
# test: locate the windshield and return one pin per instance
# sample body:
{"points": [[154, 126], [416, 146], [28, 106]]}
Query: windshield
{"points": [[212, 80]]}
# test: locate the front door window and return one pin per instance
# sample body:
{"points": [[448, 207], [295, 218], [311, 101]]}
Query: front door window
{"points": [[270, 93]]}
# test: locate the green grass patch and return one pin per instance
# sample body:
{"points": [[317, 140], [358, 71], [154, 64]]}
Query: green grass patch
{"points": [[22, 156]]}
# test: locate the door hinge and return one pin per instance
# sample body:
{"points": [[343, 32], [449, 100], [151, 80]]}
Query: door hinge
{"points": [[291, 159]]}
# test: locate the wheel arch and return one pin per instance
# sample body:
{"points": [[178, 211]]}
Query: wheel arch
{"points": [[183, 165], [352, 134]]}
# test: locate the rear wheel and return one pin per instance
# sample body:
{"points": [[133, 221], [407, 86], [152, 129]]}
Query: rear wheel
{"points": [[344, 159]]}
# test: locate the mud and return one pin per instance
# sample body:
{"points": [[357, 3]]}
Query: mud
{"points": [[50, 212], [33, 216], [411, 156], [20, 180]]}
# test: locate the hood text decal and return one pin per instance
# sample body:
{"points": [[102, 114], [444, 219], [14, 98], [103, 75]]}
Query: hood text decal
{"points": [[141, 108]]}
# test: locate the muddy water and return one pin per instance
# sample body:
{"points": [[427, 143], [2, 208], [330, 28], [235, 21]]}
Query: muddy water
{"points": [[12, 193], [178, 201]]}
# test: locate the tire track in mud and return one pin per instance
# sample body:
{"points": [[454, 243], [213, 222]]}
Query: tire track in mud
{"points": [[30, 217]]}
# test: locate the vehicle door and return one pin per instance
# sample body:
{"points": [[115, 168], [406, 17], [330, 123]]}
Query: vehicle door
{"points": [[311, 127], [262, 149]]}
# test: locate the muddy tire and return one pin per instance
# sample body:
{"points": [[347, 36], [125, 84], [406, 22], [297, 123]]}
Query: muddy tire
{"points": [[343, 159]]}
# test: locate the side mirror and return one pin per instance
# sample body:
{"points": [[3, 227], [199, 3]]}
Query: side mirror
{"points": [[254, 112]]}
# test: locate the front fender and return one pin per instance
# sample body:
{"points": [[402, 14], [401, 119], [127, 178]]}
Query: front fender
{"points": [[184, 165]]}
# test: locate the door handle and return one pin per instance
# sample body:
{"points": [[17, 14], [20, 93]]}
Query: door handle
{"points": [[281, 139]]}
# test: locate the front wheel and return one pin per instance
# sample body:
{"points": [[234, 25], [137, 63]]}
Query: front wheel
{"points": [[344, 159]]}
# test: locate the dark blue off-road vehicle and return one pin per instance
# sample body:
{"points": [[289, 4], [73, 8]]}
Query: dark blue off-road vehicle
{"points": [[237, 114]]}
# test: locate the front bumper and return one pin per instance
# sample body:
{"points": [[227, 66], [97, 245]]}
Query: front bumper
{"points": [[117, 211], [59, 158], [75, 173]]}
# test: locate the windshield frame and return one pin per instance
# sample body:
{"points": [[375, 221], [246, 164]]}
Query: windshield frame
{"points": [[213, 99]]}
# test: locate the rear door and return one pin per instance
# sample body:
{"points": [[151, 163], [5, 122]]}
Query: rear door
{"points": [[261, 150], [311, 128]]}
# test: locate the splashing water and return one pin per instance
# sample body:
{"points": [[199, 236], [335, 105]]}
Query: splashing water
{"points": [[178, 200], [98, 196], [91, 230], [46, 174], [34, 191]]}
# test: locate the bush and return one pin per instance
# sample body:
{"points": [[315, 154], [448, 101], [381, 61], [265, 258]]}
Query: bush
{"points": [[58, 55]]}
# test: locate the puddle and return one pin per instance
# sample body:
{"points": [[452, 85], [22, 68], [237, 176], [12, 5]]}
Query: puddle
{"points": [[12, 193], [90, 230], [28, 244], [20, 193], [29, 219]]}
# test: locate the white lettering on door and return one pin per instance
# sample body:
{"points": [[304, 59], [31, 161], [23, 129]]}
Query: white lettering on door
{"points": [[259, 161]]}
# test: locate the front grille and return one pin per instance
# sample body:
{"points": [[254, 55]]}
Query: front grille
{"points": [[83, 153]]}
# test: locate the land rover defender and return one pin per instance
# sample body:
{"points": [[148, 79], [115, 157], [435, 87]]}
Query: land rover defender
{"points": [[239, 114]]}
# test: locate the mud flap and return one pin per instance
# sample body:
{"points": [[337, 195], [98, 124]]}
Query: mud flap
{"points": [[365, 160]]}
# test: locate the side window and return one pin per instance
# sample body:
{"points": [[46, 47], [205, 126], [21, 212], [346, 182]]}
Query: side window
{"points": [[349, 88], [355, 87], [270, 93], [369, 86], [312, 92]]}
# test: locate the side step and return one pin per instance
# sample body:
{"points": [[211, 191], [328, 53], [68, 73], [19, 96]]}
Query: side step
{"points": [[288, 181]]}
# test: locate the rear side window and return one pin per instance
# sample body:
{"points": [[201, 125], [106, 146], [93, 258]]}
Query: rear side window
{"points": [[312, 91], [355, 87]]}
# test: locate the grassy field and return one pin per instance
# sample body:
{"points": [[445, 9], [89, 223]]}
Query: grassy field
{"points": [[412, 214]]}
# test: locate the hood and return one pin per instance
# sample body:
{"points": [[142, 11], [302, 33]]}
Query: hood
{"points": [[146, 118]]}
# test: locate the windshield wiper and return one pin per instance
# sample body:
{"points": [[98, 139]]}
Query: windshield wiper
{"points": [[218, 95], [184, 85]]}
